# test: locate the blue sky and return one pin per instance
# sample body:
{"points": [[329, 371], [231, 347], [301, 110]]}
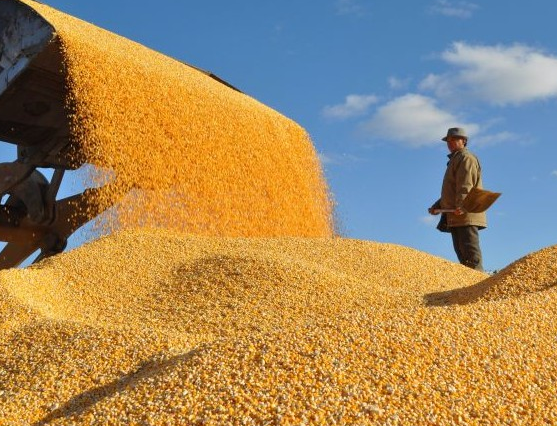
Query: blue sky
{"points": [[376, 83]]}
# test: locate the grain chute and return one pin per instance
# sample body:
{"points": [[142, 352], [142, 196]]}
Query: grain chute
{"points": [[34, 116]]}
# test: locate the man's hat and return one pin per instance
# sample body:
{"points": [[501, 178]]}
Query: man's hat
{"points": [[458, 132]]}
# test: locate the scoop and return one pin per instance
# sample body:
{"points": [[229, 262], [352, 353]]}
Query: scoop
{"points": [[476, 201]]}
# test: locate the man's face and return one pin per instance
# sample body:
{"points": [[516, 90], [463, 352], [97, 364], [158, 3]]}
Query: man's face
{"points": [[455, 143]]}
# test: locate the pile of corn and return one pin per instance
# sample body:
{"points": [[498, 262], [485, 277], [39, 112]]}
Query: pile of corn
{"points": [[199, 156], [153, 327], [162, 327], [533, 273]]}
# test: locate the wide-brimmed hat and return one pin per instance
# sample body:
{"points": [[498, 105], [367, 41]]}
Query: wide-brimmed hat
{"points": [[458, 132]]}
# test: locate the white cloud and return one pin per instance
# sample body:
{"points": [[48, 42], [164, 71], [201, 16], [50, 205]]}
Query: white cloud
{"points": [[458, 9], [554, 172], [325, 158], [495, 139], [338, 159], [349, 7], [413, 120], [353, 105], [498, 75], [397, 83]]}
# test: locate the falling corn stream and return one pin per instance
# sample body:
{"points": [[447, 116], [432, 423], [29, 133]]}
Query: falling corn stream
{"points": [[219, 293]]}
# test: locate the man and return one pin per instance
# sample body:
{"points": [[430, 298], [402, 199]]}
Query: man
{"points": [[463, 173]]}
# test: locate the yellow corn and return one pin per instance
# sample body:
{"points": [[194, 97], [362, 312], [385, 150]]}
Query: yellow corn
{"points": [[200, 156], [157, 327], [198, 324]]}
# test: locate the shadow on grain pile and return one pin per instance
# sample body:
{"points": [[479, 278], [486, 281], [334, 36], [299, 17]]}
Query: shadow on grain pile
{"points": [[535, 272], [85, 400]]}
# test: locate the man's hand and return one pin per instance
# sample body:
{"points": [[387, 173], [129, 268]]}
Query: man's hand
{"points": [[459, 211], [433, 210]]}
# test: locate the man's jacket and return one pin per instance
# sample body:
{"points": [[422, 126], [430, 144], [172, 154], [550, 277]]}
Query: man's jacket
{"points": [[463, 173]]}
